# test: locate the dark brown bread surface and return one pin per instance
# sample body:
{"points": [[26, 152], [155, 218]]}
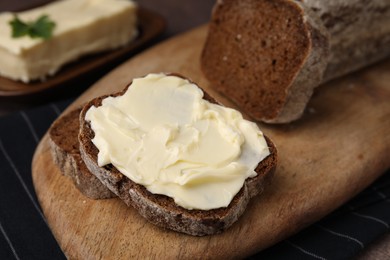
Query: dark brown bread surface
{"points": [[162, 210], [265, 55], [269, 55], [63, 139]]}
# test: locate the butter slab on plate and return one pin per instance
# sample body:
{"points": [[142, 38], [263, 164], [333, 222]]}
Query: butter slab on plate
{"points": [[150, 25]]}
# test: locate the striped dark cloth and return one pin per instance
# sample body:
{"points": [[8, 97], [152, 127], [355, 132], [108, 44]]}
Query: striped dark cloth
{"points": [[25, 234], [345, 232]]}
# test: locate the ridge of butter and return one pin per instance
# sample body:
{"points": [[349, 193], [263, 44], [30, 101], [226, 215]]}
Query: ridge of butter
{"points": [[82, 27], [162, 134]]}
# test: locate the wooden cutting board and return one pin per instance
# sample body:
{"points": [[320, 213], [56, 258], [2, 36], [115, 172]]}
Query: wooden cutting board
{"points": [[339, 147]]}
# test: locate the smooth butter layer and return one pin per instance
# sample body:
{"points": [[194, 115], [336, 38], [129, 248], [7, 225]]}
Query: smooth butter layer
{"points": [[162, 134], [82, 27]]}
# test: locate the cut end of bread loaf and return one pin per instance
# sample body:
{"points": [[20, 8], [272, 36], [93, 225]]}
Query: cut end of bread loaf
{"points": [[266, 56], [64, 144], [162, 210]]}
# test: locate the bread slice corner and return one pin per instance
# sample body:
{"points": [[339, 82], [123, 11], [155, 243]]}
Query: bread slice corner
{"points": [[64, 147]]}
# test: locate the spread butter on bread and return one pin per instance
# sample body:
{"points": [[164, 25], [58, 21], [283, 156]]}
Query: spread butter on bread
{"points": [[172, 152]]}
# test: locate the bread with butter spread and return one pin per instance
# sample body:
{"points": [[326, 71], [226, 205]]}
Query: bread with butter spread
{"points": [[64, 146], [161, 210]]}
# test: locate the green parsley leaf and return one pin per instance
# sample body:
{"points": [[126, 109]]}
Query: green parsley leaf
{"points": [[41, 28], [19, 28]]}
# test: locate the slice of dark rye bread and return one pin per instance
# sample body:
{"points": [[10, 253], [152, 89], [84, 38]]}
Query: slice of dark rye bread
{"points": [[162, 210], [266, 56], [64, 147]]}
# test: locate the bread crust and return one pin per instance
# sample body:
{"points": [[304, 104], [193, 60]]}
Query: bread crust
{"points": [[359, 33], [64, 147], [162, 210]]}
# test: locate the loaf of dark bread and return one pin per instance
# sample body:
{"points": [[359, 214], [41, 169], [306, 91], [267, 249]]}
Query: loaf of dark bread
{"points": [[162, 210], [64, 144], [268, 56], [265, 56]]}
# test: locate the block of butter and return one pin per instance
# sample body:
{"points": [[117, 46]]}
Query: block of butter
{"points": [[81, 27]]}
